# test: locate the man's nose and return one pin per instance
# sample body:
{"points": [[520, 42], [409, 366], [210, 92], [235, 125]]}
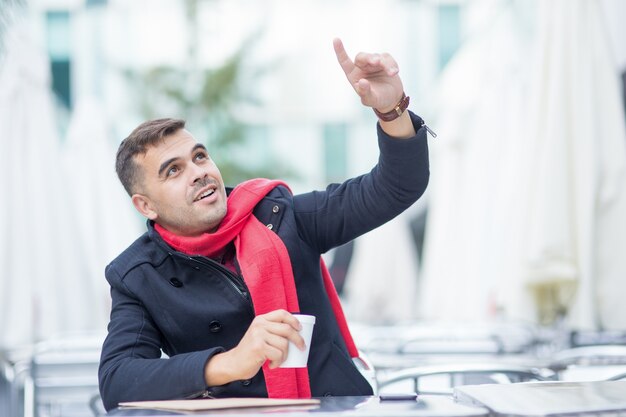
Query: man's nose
{"points": [[197, 174]]}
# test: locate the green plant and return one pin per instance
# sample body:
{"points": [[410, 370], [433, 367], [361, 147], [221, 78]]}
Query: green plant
{"points": [[207, 98]]}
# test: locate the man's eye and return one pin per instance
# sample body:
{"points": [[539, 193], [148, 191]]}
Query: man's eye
{"points": [[201, 156], [172, 170]]}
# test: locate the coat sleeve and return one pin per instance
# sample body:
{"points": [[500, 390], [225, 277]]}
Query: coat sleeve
{"points": [[131, 364], [342, 212]]}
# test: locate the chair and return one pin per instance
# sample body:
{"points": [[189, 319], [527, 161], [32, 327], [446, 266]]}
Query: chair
{"points": [[443, 378], [590, 355], [417, 344], [6, 379], [63, 378], [366, 368], [618, 377], [14, 369], [589, 363]]}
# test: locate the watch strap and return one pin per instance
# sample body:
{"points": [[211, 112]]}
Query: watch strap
{"points": [[396, 112]]}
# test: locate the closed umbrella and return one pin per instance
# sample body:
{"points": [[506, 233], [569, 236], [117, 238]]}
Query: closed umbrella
{"points": [[528, 193], [31, 225], [577, 195], [472, 245], [46, 284], [105, 220], [381, 282]]}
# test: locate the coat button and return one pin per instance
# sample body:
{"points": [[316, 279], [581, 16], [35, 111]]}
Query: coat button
{"points": [[215, 326], [246, 382], [328, 394], [275, 209], [270, 226], [176, 282]]}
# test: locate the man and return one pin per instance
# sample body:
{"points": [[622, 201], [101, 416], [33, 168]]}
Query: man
{"points": [[216, 277]]}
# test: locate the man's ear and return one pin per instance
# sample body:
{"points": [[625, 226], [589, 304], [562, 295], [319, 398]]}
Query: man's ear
{"points": [[144, 206]]}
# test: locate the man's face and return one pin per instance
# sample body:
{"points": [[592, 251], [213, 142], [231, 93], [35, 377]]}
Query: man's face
{"points": [[182, 188]]}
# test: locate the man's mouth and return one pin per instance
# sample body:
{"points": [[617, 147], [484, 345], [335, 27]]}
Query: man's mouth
{"points": [[205, 194]]}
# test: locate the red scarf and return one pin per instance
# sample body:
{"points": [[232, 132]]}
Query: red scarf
{"points": [[266, 269]]}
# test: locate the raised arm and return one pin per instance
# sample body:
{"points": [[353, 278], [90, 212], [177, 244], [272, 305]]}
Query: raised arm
{"points": [[342, 212]]}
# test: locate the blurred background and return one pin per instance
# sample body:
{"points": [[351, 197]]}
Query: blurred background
{"points": [[523, 223]]}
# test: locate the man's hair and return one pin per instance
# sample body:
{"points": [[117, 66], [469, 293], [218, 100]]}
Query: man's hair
{"points": [[147, 134]]}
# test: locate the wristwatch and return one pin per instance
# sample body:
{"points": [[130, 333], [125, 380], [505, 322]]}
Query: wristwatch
{"points": [[396, 112]]}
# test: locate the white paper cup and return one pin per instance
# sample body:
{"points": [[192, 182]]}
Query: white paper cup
{"points": [[297, 358]]}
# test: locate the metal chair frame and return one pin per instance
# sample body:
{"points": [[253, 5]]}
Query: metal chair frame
{"points": [[459, 372]]}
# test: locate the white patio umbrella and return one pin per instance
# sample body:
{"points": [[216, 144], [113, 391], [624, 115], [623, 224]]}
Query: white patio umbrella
{"points": [[43, 266], [577, 199], [473, 230], [32, 259], [381, 282], [106, 222], [528, 191]]}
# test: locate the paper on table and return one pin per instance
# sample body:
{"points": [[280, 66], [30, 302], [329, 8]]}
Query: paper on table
{"points": [[217, 403], [546, 399]]}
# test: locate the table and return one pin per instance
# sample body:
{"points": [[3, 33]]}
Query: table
{"points": [[357, 406]]}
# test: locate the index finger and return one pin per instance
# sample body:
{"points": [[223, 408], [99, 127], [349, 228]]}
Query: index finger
{"points": [[283, 316], [342, 57]]}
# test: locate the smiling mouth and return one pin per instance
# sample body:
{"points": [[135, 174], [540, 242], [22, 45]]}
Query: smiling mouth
{"points": [[205, 194]]}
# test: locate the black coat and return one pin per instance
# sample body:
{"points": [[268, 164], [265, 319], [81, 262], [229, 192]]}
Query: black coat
{"points": [[191, 307]]}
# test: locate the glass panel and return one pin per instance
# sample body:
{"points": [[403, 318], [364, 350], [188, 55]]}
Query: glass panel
{"points": [[449, 32], [255, 149], [58, 34], [59, 48], [335, 151], [61, 80]]}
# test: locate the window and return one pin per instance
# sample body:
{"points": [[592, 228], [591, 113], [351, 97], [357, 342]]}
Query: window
{"points": [[449, 32], [255, 148], [58, 38], [335, 151]]}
